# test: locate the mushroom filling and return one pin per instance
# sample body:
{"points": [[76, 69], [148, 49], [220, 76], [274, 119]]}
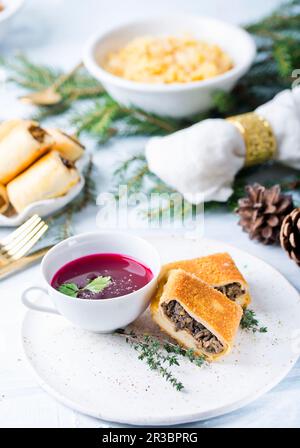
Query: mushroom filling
{"points": [[232, 290], [37, 133], [183, 321]]}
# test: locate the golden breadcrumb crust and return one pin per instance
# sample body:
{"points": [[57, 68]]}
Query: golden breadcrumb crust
{"points": [[217, 270], [200, 299], [203, 303]]}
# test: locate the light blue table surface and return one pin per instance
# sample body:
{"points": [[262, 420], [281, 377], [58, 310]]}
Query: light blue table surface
{"points": [[54, 32]]}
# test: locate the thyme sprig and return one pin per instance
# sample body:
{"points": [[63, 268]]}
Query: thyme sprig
{"points": [[189, 354], [160, 355], [250, 323]]}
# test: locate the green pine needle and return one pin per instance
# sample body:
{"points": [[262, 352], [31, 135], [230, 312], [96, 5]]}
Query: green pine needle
{"points": [[37, 77], [61, 223], [283, 58], [224, 101], [106, 118], [29, 75], [278, 43], [135, 174]]}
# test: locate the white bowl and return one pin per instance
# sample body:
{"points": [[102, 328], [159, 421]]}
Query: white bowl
{"points": [[100, 316], [11, 8], [173, 100]]}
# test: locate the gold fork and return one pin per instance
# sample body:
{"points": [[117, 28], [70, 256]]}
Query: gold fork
{"points": [[23, 263], [18, 243]]}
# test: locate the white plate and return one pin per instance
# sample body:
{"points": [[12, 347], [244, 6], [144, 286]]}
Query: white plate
{"points": [[48, 206], [100, 375]]}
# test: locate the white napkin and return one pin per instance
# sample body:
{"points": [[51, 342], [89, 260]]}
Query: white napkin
{"points": [[283, 114], [201, 161]]}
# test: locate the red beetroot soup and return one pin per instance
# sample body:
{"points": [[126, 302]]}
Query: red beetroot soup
{"points": [[121, 275]]}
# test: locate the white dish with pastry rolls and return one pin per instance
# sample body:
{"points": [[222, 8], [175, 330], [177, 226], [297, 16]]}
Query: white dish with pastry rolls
{"points": [[40, 170], [100, 375]]}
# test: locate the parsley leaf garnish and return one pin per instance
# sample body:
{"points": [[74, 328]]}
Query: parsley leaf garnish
{"points": [[94, 286], [98, 284], [69, 289]]}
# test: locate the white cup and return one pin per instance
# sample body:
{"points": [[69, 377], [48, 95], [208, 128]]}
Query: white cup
{"points": [[101, 316]]}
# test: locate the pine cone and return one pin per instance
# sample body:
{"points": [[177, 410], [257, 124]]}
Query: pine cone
{"points": [[290, 235], [262, 212]]}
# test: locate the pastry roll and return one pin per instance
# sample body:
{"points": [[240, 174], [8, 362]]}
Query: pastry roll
{"points": [[20, 147], [4, 202], [50, 177], [219, 271], [196, 315], [69, 147], [7, 126]]}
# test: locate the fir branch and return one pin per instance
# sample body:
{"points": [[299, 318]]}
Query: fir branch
{"points": [[166, 203], [284, 18], [290, 184], [160, 355], [36, 77], [62, 221], [103, 119], [165, 125], [278, 53], [283, 58], [135, 174], [172, 207], [85, 198], [42, 113], [278, 42], [223, 101], [88, 195], [31, 76], [107, 118], [250, 323]]}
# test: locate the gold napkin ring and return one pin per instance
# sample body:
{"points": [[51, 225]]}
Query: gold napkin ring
{"points": [[258, 137]]}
